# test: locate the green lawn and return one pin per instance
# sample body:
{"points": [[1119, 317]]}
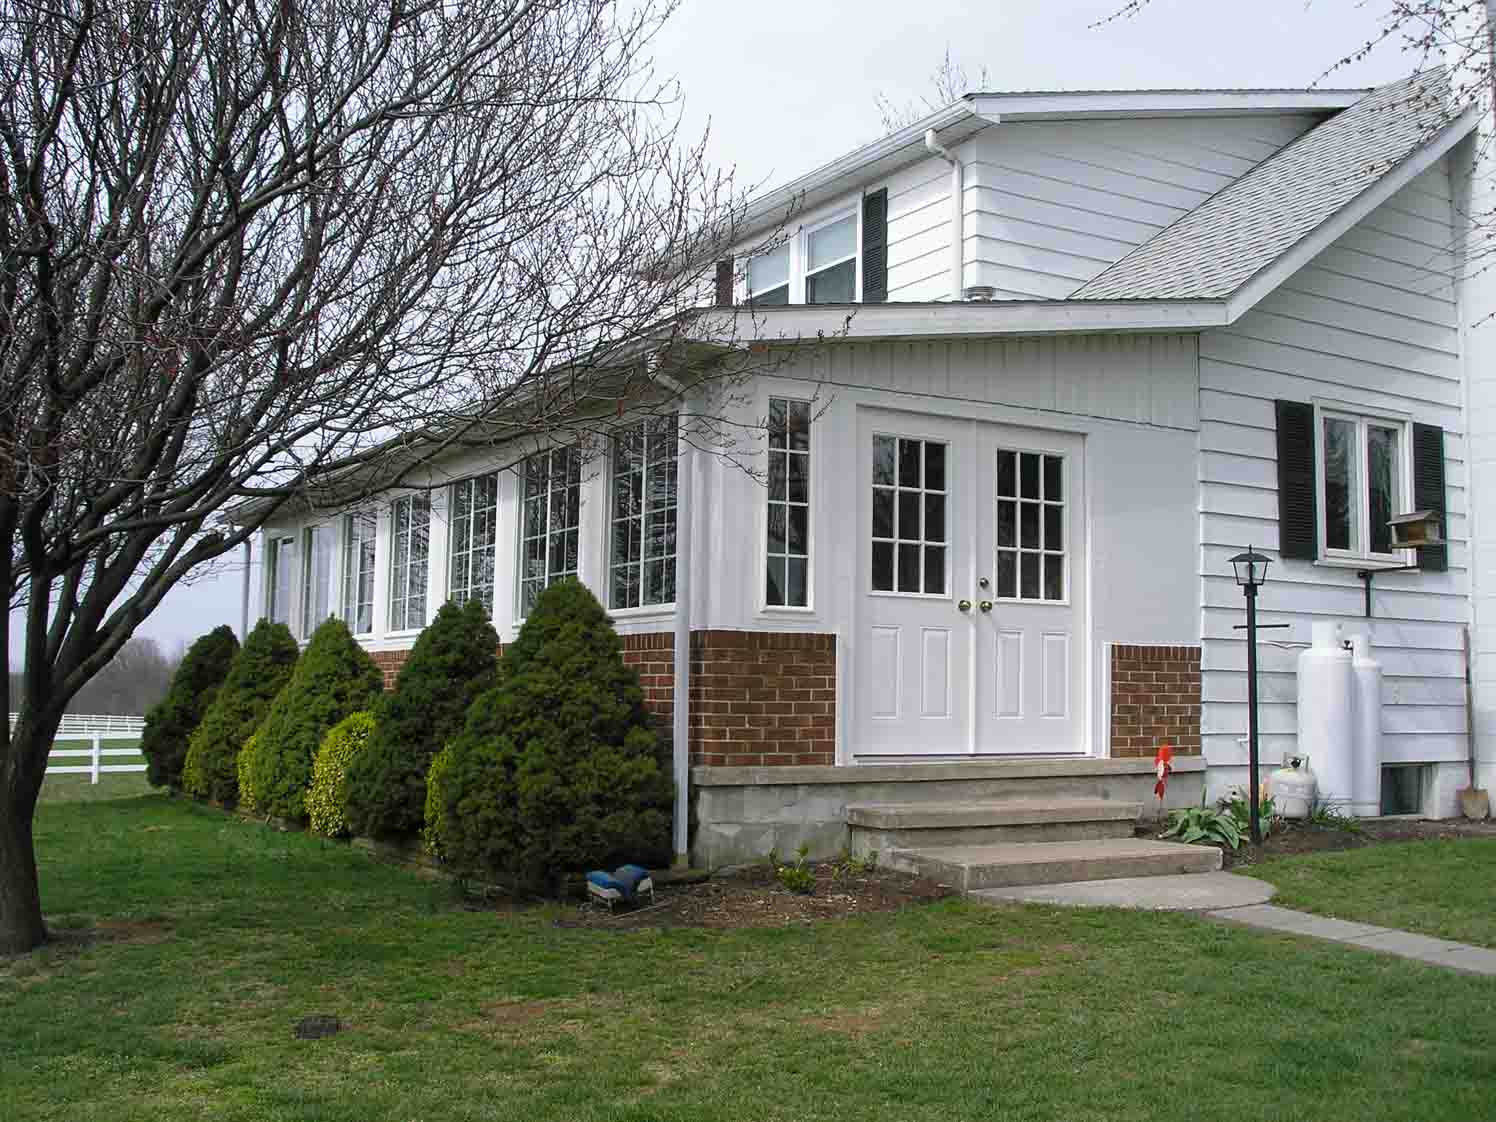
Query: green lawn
{"points": [[223, 934], [111, 785], [1445, 888]]}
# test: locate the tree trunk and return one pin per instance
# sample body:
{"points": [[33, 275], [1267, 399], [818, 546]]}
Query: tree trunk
{"points": [[21, 927]]}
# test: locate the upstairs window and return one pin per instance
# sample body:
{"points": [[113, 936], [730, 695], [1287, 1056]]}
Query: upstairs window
{"points": [[1362, 484], [358, 572], [410, 534], [831, 262], [475, 514], [789, 504], [549, 522], [769, 277], [644, 479]]}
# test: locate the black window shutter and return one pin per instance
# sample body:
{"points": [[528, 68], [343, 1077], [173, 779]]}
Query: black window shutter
{"points": [[875, 247], [1298, 523], [724, 283], [1428, 489]]}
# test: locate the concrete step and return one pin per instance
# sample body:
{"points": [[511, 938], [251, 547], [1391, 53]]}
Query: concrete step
{"points": [[885, 826], [967, 868]]}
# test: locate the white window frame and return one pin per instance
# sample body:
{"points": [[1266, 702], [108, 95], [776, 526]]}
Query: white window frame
{"points": [[393, 595], [799, 250], [642, 608], [574, 452], [352, 571], [309, 620], [1401, 503], [493, 542], [276, 557], [808, 607]]}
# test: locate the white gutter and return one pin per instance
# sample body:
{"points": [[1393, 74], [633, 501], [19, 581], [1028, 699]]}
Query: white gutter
{"points": [[958, 208]]}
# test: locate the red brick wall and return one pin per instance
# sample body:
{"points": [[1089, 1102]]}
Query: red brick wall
{"points": [[762, 698], [758, 698], [1155, 700]]}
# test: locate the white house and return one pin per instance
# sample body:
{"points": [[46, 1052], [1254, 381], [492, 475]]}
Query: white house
{"points": [[1088, 347]]}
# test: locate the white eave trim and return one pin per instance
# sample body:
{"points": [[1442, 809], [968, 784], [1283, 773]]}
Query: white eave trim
{"points": [[795, 323], [1270, 276], [1160, 103]]}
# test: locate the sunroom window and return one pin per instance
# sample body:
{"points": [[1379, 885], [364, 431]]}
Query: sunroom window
{"points": [[282, 578], [642, 554], [474, 507], [831, 262], [410, 535], [769, 277], [549, 522], [358, 572], [1362, 483], [316, 568]]}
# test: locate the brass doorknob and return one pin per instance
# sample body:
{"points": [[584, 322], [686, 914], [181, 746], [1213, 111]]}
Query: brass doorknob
{"points": [[963, 605], [985, 605]]}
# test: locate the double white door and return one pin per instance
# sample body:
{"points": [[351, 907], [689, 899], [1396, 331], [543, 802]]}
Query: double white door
{"points": [[971, 596]]}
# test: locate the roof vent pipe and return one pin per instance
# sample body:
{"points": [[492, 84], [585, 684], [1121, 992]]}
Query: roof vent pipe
{"points": [[957, 207]]}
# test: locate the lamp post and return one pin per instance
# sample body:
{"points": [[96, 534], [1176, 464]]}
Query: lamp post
{"points": [[1251, 572]]}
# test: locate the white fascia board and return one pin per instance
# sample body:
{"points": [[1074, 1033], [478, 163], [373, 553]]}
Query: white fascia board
{"points": [[1083, 105], [877, 160], [788, 324], [1269, 277]]}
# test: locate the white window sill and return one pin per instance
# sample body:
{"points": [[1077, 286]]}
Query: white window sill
{"points": [[1373, 563], [404, 633], [787, 609], [649, 611]]}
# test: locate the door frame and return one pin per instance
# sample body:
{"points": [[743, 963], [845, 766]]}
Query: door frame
{"points": [[872, 411]]}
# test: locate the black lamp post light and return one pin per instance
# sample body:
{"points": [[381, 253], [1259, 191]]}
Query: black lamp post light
{"points": [[1251, 574]]}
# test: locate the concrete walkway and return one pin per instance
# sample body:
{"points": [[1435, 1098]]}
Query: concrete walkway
{"points": [[1366, 936]]}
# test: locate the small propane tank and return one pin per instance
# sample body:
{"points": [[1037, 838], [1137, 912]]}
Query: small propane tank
{"points": [[1292, 788]]}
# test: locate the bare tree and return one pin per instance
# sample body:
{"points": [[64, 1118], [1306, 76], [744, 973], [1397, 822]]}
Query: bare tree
{"points": [[949, 82], [242, 240]]}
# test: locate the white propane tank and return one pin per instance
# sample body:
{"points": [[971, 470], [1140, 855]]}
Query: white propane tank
{"points": [[1325, 728], [1366, 747], [1292, 788]]}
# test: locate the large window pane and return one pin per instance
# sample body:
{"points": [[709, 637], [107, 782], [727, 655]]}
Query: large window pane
{"points": [[316, 565], [836, 285], [1341, 490], [769, 277], [644, 480], [282, 578], [831, 244], [1383, 484], [552, 502], [358, 572], [474, 506], [410, 535]]}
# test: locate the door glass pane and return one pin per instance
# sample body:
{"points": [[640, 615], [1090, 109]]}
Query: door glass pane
{"points": [[883, 457], [908, 516], [1029, 523], [1054, 576], [934, 568], [1382, 484], [1340, 484], [883, 566], [908, 568], [1028, 475], [934, 467], [1053, 536], [1028, 526], [1007, 523], [1007, 573], [1052, 486], [1028, 576], [1007, 474], [934, 518], [909, 473], [882, 513]]}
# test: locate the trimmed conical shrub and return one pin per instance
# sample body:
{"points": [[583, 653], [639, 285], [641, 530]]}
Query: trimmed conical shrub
{"points": [[327, 797], [262, 666], [333, 678], [454, 660], [558, 768], [170, 723]]}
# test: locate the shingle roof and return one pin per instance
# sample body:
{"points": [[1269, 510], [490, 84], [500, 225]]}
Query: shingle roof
{"points": [[1220, 245]]}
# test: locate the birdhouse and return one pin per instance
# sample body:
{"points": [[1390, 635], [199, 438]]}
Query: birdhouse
{"points": [[1415, 530]]}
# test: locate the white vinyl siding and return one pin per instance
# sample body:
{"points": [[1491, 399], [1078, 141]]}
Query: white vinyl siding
{"points": [[1369, 325]]}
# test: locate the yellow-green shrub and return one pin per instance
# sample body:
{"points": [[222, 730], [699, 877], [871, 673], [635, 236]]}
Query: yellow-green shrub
{"points": [[243, 764], [327, 797], [436, 806]]}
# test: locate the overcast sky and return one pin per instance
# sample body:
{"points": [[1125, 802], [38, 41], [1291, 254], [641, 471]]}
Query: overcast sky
{"points": [[788, 85]]}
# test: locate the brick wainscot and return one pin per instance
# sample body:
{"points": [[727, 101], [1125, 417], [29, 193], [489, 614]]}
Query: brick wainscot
{"points": [[1155, 700]]}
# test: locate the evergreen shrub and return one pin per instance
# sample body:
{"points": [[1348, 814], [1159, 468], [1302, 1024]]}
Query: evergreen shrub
{"points": [[558, 768], [244, 769], [434, 830], [170, 723], [326, 798], [262, 666], [333, 678], [454, 660]]}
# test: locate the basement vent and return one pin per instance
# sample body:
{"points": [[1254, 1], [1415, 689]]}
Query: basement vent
{"points": [[980, 292]]}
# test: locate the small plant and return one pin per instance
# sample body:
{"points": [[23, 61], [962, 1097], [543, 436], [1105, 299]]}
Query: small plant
{"points": [[1237, 805], [1329, 817], [1203, 823], [797, 877], [849, 864], [326, 798]]}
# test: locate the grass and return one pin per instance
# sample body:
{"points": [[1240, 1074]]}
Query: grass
{"points": [[221, 934], [1438, 887], [111, 785]]}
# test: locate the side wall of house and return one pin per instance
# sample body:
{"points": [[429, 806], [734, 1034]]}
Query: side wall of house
{"points": [[1370, 324]]}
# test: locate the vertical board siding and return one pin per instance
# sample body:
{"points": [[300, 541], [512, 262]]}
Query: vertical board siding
{"points": [[1050, 205], [1370, 322]]}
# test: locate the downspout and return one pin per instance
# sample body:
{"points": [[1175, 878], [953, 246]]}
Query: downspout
{"points": [[680, 691], [958, 207], [244, 595]]}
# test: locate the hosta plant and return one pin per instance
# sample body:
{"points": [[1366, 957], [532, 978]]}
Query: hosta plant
{"points": [[1204, 824]]}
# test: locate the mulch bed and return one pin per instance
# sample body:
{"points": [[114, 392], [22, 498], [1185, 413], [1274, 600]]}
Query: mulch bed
{"points": [[1290, 838], [753, 897]]}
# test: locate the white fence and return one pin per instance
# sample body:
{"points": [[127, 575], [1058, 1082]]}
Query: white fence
{"points": [[95, 754], [78, 726]]}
